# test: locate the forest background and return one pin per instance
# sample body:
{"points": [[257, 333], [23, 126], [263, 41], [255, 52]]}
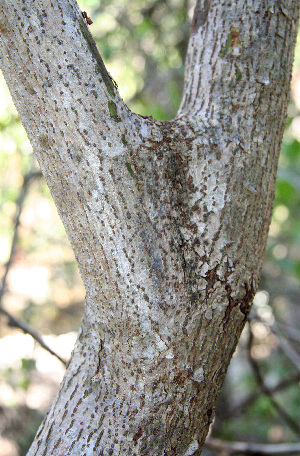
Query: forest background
{"points": [[143, 45]]}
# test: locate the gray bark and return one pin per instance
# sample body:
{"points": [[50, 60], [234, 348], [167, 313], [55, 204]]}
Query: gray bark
{"points": [[168, 220]]}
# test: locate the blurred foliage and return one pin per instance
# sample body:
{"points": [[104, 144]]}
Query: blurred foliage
{"points": [[143, 45]]}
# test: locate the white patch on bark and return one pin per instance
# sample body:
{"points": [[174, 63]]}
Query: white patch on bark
{"points": [[160, 343], [204, 270], [169, 354], [192, 448], [208, 314], [198, 375]]}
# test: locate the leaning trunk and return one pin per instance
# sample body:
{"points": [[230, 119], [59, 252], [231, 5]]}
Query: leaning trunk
{"points": [[168, 220]]}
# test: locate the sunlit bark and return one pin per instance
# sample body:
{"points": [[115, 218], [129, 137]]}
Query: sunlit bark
{"points": [[168, 220]]}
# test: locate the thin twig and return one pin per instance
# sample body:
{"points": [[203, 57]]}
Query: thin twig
{"points": [[23, 192], [230, 448], [289, 351], [291, 333], [256, 394], [13, 321], [259, 378]]}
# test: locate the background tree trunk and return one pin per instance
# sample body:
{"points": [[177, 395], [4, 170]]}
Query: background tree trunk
{"points": [[168, 220]]}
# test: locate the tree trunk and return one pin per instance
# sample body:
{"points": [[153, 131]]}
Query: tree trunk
{"points": [[168, 220]]}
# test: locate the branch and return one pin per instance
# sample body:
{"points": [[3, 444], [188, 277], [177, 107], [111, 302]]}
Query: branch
{"points": [[258, 449], [215, 89], [65, 81]]}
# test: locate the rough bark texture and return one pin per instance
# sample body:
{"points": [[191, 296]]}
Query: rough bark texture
{"points": [[168, 220]]}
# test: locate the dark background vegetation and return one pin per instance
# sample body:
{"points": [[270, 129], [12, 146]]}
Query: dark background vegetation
{"points": [[143, 44]]}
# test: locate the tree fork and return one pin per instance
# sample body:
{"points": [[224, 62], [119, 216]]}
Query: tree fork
{"points": [[168, 220]]}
